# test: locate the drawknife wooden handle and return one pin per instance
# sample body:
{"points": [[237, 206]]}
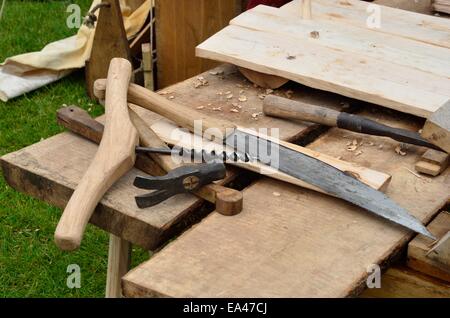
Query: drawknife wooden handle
{"points": [[115, 156], [179, 114]]}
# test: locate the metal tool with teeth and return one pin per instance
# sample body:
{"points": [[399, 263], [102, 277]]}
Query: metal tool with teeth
{"points": [[204, 155]]}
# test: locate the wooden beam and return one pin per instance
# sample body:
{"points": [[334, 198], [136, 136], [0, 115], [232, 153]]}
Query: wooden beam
{"points": [[419, 256], [437, 127]]}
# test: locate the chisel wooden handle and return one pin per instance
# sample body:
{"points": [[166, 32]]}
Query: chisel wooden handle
{"points": [[228, 201], [179, 114], [288, 109], [115, 156]]}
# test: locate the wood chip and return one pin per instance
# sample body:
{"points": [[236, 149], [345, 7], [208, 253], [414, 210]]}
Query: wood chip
{"points": [[230, 96], [218, 72], [400, 151], [269, 91], [242, 98], [217, 109], [262, 96], [200, 81], [201, 107], [233, 110], [277, 194], [289, 94], [171, 97], [256, 115], [358, 153]]}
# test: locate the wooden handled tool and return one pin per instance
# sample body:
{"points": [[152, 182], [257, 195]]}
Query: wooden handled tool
{"points": [[115, 156], [288, 159], [288, 109], [228, 201]]}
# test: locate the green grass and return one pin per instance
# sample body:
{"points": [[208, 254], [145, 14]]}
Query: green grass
{"points": [[30, 263]]}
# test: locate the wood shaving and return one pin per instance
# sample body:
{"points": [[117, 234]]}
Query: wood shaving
{"points": [[262, 96], [359, 153], [277, 194], [227, 92], [200, 107], [217, 109], [218, 72], [242, 98], [289, 94], [400, 151], [380, 147], [233, 110], [171, 97], [241, 91], [269, 91], [200, 81], [236, 105], [219, 93], [256, 115], [230, 96], [352, 146]]}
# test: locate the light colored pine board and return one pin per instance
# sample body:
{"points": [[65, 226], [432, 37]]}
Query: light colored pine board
{"points": [[291, 242], [119, 257], [401, 282], [380, 46], [437, 127], [418, 249], [420, 27], [349, 74]]}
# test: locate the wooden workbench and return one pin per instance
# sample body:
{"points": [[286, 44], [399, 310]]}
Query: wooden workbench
{"points": [[287, 242]]}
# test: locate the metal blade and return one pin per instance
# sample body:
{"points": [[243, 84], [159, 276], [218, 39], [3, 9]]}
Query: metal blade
{"points": [[329, 179]]}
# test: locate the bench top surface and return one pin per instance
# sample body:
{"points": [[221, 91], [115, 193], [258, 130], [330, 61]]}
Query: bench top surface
{"points": [[287, 242]]}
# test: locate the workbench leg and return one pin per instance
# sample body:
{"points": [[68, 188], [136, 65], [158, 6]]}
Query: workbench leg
{"points": [[119, 257]]}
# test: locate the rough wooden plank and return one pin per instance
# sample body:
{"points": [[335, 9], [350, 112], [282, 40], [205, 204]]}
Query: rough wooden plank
{"points": [[418, 249], [291, 242], [411, 25], [180, 26], [362, 69], [401, 282], [437, 127]]}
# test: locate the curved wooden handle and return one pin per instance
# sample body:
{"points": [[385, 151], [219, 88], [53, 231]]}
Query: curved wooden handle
{"points": [[288, 109], [115, 156], [179, 114]]}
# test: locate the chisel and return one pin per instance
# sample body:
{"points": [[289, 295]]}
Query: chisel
{"points": [[280, 107]]}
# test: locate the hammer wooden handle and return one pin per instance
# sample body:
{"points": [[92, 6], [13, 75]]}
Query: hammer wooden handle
{"points": [[115, 156], [180, 115], [228, 201], [288, 109]]}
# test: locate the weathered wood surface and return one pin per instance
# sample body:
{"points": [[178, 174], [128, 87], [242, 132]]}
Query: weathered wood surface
{"points": [[419, 257], [390, 70], [292, 242], [402, 282], [35, 171]]}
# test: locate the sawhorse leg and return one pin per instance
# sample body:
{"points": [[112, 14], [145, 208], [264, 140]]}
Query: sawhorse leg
{"points": [[119, 257]]}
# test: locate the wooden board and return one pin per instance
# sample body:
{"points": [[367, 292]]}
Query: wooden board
{"points": [[419, 27], [180, 26], [437, 127], [401, 282], [291, 242], [110, 41], [343, 59], [420, 246], [35, 171]]}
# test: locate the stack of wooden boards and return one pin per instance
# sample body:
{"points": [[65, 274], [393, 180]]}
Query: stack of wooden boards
{"points": [[404, 64], [442, 6]]}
